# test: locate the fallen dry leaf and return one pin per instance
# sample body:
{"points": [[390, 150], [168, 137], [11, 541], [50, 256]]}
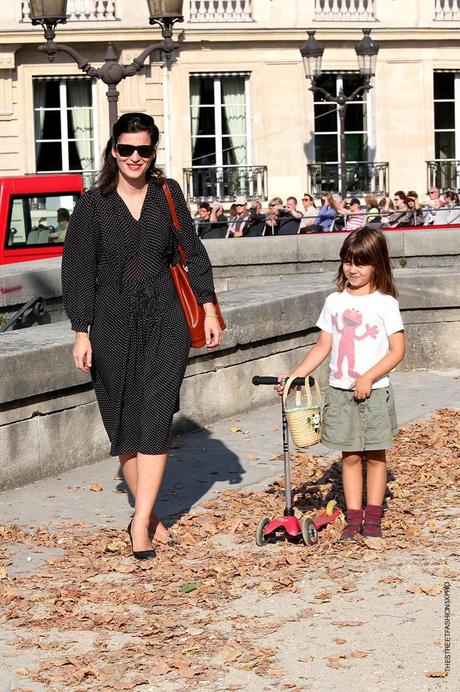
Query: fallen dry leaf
{"points": [[349, 586], [435, 590], [160, 668], [390, 580], [92, 585], [323, 597], [375, 543], [436, 674], [346, 623], [357, 654], [427, 590]]}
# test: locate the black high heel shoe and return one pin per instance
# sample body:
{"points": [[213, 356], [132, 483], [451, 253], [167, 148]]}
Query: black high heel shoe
{"points": [[140, 554]]}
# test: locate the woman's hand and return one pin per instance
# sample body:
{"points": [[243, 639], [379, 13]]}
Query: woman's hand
{"points": [[82, 352], [212, 329]]}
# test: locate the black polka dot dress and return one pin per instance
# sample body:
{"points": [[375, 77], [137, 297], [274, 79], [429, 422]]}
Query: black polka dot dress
{"points": [[116, 282]]}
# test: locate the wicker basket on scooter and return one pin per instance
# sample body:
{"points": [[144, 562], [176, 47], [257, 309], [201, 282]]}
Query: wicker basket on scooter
{"points": [[304, 420]]}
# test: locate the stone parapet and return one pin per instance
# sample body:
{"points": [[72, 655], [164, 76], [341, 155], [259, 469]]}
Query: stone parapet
{"points": [[248, 261], [48, 416]]}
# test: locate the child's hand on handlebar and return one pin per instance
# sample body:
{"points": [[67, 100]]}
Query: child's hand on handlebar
{"points": [[279, 388]]}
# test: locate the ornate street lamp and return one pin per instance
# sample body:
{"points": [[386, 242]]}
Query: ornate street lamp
{"points": [[366, 52], [312, 55], [50, 13]]}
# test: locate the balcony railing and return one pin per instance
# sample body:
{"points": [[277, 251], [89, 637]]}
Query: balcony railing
{"points": [[444, 174], [345, 10], [220, 11], [225, 183], [89, 177], [362, 177], [445, 10], [82, 10]]}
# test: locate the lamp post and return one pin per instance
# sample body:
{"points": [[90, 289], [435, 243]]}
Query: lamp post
{"points": [[50, 13], [366, 52]]}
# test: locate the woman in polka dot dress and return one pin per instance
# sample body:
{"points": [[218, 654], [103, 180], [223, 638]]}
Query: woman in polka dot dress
{"points": [[116, 283]]}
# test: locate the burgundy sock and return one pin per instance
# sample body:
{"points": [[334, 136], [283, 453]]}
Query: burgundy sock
{"points": [[372, 519], [354, 520], [354, 516]]}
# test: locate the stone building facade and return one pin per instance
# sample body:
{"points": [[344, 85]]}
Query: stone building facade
{"points": [[233, 105]]}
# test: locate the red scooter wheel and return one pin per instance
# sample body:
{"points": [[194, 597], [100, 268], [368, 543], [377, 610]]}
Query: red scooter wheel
{"points": [[309, 531], [260, 538]]}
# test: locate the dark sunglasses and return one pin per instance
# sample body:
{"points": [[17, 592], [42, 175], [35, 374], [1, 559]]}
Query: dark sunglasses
{"points": [[145, 151]]}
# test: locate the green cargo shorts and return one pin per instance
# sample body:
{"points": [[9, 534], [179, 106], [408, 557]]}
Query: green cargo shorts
{"points": [[354, 426]]}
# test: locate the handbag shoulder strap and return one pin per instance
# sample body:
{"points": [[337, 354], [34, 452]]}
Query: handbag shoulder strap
{"points": [[172, 206]]}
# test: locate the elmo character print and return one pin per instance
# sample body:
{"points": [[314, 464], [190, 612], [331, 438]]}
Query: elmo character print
{"points": [[351, 322]]}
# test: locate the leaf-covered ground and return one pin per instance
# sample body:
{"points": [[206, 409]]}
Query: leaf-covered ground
{"points": [[202, 614]]}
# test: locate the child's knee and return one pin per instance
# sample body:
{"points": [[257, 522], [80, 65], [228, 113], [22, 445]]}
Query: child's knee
{"points": [[352, 459]]}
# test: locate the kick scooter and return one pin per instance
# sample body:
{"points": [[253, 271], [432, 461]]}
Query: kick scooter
{"points": [[289, 526]]}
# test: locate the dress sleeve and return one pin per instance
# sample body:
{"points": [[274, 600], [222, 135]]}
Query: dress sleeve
{"points": [[79, 265], [199, 266]]}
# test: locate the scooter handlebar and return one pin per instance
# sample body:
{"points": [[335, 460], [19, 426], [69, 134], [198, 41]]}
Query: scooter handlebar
{"points": [[259, 379]]}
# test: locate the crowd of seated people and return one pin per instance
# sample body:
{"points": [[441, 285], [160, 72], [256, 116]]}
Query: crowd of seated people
{"points": [[329, 213]]}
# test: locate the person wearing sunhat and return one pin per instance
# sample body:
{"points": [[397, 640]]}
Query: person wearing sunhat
{"points": [[236, 228]]}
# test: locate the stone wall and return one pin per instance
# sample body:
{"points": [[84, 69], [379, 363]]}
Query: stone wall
{"points": [[247, 261], [48, 417]]}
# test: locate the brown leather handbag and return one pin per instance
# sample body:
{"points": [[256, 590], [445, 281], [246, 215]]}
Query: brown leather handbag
{"points": [[193, 311]]}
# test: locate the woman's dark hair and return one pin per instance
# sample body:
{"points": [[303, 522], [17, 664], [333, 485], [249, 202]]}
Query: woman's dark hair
{"points": [[402, 195], [368, 246], [107, 179], [452, 195]]}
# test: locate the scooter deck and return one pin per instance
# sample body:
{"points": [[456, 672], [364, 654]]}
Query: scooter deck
{"points": [[290, 524]]}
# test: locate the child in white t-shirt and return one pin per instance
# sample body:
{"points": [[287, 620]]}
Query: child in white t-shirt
{"points": [[362, 330]]}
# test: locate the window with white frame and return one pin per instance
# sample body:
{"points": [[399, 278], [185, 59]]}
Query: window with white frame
{"points": [[327, 122], [219, 122], [446, 115], [64, 124]]}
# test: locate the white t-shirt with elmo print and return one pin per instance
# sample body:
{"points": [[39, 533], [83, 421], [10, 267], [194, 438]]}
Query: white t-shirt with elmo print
{"points": [[360, 327]]}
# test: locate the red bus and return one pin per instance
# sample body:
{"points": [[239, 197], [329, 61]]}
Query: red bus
{"points": [[34, 213]]}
